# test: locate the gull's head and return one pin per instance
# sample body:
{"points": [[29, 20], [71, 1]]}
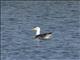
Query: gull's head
{"points": [[36, 28]]}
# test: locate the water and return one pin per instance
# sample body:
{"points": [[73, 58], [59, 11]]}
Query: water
{"points": [[59, 17]]}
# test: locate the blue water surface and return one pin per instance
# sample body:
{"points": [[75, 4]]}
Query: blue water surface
{"points": [[59, 17]]}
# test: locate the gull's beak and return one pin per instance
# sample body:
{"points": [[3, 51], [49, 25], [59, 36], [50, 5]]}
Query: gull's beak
{"points": [[33, 29]]}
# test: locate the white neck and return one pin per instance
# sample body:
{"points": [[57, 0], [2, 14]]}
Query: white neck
{"points": [[37, 31]]}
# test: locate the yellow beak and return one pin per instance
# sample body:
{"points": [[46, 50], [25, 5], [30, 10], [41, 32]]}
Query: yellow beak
{"points": [[33, 29]]}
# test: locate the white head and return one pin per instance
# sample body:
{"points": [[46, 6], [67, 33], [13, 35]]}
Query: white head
{"points": [[37, 29]]}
